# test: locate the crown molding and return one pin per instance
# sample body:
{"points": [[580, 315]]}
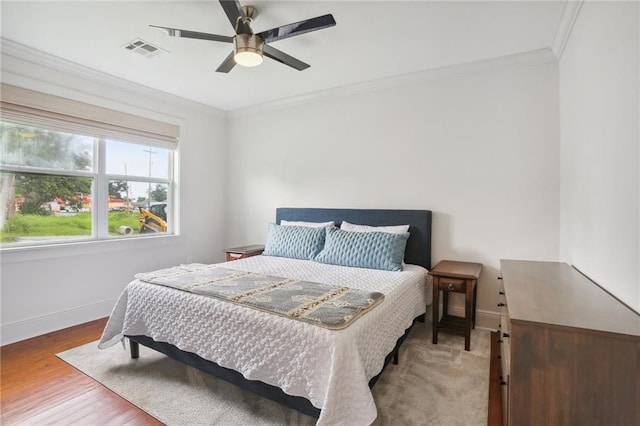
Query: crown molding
{"points": [[25, 54], [530, 58], [11, 49], [565, 26]]}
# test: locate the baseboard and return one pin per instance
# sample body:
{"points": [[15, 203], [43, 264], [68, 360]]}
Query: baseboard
{"points": [[32, 327], [484, 319]]}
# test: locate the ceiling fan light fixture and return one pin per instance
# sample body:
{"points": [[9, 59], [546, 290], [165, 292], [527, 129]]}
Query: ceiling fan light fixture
{"points": [[248, 50]]}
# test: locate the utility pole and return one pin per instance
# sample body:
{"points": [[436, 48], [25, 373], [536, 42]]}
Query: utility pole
{"points": [[128, 193], [151, 152]]}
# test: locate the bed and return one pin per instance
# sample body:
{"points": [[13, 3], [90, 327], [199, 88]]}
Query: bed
{"points": [[321, 372]]}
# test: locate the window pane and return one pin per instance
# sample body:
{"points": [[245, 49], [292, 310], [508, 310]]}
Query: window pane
{"points": [[123, 216], [132, 211], [129, 159], [22, 145], [40, 208]]}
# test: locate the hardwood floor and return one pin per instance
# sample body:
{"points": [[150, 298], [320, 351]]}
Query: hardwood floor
{"points": [[40, 389]]}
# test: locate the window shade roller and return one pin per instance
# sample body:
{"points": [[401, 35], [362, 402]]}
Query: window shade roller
{"points": [[39, 109]]}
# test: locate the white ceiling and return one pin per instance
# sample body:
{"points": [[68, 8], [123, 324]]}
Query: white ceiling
{"points": [[372, 40]]}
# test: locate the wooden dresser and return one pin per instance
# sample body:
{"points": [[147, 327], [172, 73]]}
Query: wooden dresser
{"points": [[570, 352]]}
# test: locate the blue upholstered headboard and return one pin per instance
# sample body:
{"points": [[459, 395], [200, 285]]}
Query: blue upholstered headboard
{"points": [[418, 251]]}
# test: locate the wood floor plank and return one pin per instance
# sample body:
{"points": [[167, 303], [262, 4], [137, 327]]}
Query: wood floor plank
{"points": [[27, 404], [141, 419], [97, 406]]}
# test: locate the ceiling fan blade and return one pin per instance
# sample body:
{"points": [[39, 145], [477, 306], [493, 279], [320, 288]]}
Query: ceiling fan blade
{"points": [[283, 58], [298, 28], [234, 12], [175, 32], [228, 64]]}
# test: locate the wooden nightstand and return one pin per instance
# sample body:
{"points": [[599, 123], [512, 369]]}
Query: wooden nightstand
{"points": [[236, 253], [459, 277]]}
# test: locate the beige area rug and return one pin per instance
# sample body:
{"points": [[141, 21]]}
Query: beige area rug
{"points": [[439, 385]]}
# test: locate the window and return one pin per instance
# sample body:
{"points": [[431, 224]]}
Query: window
{"points": [[72, 177]]}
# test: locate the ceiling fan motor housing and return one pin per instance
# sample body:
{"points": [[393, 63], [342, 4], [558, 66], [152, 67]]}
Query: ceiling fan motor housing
{"points": [[248, 49]]}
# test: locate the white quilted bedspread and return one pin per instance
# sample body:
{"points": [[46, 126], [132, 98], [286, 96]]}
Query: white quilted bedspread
{"points": [[331, 368]]}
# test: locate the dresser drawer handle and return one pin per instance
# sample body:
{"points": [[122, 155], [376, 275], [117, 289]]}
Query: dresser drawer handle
{"points": [[500, 304], [451, 287]]}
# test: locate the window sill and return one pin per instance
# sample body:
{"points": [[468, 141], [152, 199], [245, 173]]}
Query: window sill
{"points": [[83, 248]]}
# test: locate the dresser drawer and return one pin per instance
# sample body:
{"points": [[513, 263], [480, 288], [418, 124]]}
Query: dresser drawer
{"points": [[452, 284]]}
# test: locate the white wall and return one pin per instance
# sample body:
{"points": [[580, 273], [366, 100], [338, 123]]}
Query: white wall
{"points": [[600, 141], [47, 289], [478, 145]]}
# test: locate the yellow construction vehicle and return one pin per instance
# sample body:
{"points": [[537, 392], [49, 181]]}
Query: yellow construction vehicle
{"points": [[153, 219]]}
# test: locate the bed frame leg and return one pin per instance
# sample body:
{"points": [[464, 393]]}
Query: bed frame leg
{"points": [[135, 349]]}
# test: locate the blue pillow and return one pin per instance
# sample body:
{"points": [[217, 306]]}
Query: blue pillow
{"points": [[296, 242], [375, 250]]}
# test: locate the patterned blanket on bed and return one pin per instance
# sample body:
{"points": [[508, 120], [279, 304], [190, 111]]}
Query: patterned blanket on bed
{"points": [[325, 305]]}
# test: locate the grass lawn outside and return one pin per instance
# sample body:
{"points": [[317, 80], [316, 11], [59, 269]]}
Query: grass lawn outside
{"points": [[62, 225]]}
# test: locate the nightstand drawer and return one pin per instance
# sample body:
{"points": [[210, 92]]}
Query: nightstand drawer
{"points": [[452, 284]]}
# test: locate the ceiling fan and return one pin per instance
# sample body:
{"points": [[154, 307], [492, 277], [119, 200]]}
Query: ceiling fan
{"points": [[249, 48]]}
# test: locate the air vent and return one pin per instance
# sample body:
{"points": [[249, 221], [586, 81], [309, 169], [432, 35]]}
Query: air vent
{"points": [[144, 48]]}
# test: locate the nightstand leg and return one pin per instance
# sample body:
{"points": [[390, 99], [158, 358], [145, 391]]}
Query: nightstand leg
{"points": [[436, 307], [467, 316], [475, 304]]}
